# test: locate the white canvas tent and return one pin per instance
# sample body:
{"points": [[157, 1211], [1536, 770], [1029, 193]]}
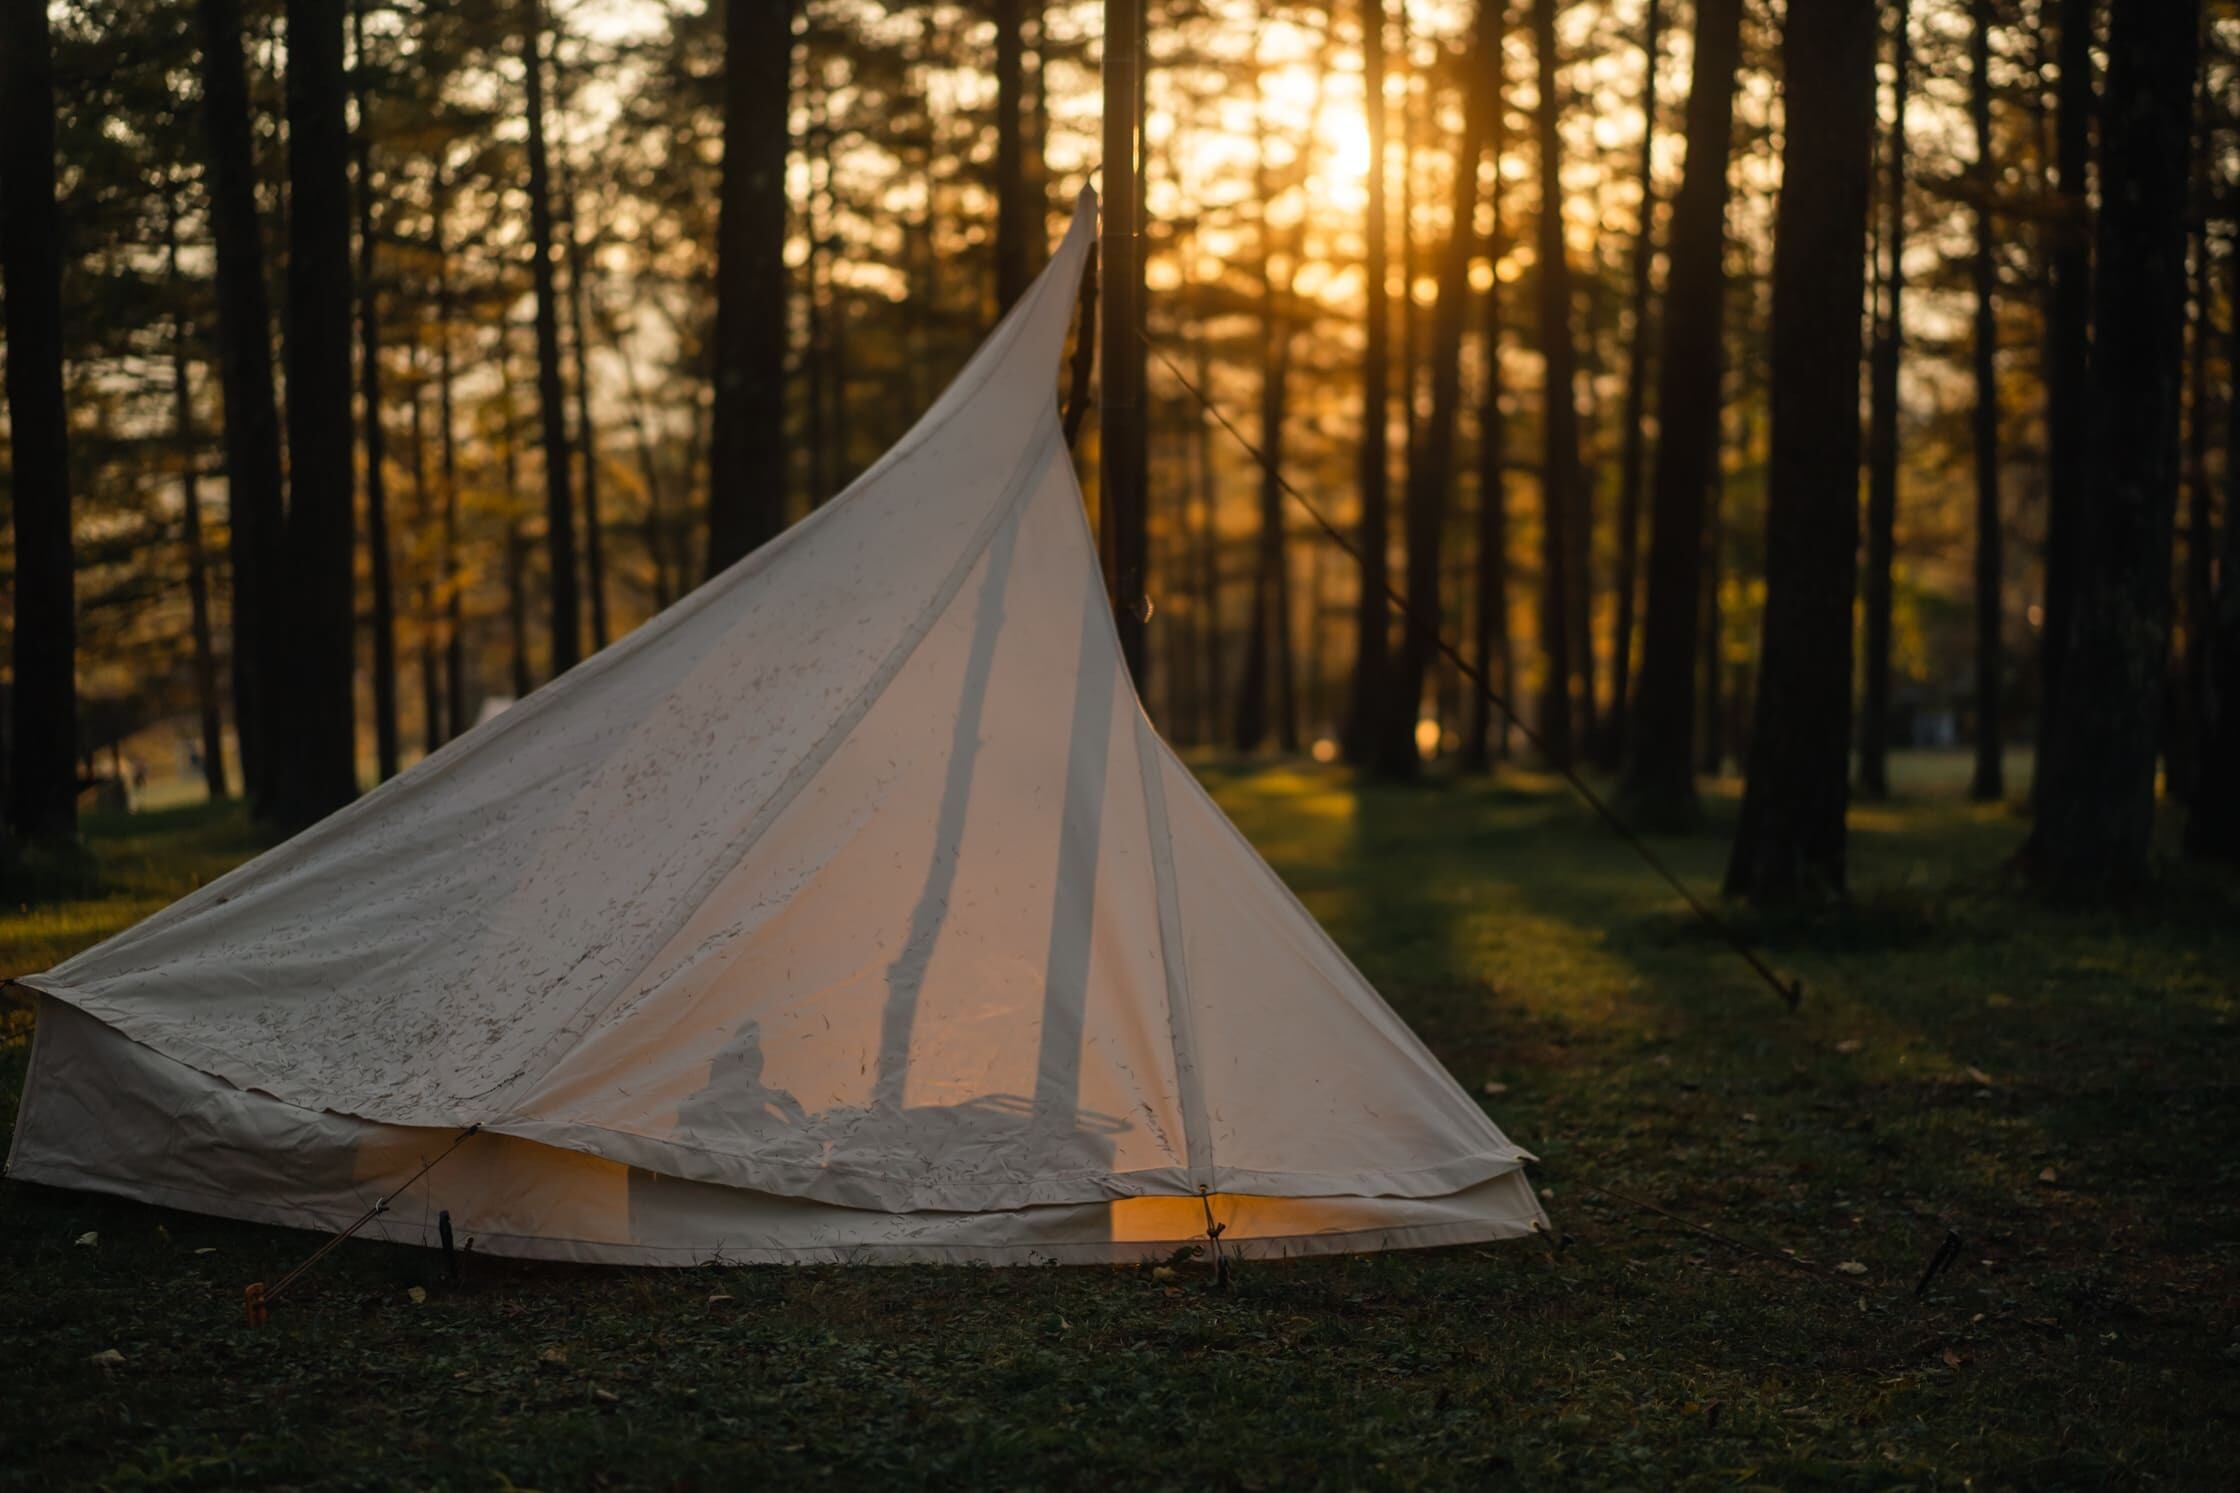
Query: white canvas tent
{"points": [[849, 910]]}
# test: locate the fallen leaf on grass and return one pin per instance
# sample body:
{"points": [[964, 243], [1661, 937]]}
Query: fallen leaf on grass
{"points": [[107, 1358], [556, 1356], [606, 1396], [88, 1239], [2048, 1176], [1980, 1077], [1495, 1086], [1849, 1045], [419, 1295], [207, 1249], [1162, 1272], [1951, 1359], [1852, 1267], [720, 1299]]}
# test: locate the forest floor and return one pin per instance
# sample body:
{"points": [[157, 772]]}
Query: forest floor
{"points": [[2058, 1085]]}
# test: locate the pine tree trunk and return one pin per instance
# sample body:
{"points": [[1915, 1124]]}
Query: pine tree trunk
{"points": [[314, 765], [255, 513], [1632, 454], [387, 752], [594, 535], [1988, 784], [1431, 476], [432, 733], [1790, 842], [42, 776], [2096, 810], [747, 457], [1559, 467], [1488, 731], [2069, 369], [454, 585], [1659, 782], [1882, 438], [1250, 726], [559, 501], [190, 525], [2181, 750], [2213, 818], [1372, 636], [1011, 155]]}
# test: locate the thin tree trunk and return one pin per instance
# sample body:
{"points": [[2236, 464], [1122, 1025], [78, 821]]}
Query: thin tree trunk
{"points": [[256, 517], [1790, 841], [317, 772], [190, 515], [1011, 177], [1659, 780], [1251, 720], [655, 528], [2181, 751], [1988, 784], [1431, 477], [387, 754], [42, 776], [594, 537], [454, 585], [2095, 819], [560, 516], [1371, 629], [1632, 454], [1882, 449], [2069, 369], [2213, 818], [1712, 634], [1559, 468], [1121, 499], [1205, 540], [432, 733], [747, 460], [517, 540], [1488, 731]]}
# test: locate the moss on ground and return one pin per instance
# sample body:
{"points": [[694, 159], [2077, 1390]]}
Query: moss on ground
{"points": [[2055, 1084]]}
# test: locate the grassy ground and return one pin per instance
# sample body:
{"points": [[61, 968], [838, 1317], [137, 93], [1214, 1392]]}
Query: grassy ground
{"points": [[2058, 1085]]}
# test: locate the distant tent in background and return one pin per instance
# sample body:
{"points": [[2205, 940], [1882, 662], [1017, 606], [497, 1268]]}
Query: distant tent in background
{"points": [[849, 910]]}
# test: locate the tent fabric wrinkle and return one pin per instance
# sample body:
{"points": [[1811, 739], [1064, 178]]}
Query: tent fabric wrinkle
{"points": [[852, 909]]}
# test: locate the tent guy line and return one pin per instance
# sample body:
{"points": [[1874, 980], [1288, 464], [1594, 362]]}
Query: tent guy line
{"points": [[1790, 990]]}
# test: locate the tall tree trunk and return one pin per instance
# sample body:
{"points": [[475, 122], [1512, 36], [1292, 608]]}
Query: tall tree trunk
{"points": [[1206, 539], [1121, 499], [1559, 467], [2181, 748], [579, 342], [1882, 437], [1431, 476], [2213, 818], [747, 458], [380, 547], [317, 772], [517, 540], [1790, 842], [1488, 731], [432, 733], [2095, 820], [454, 585], [656, 526], [1659, 779], [1988, 784], [256, 517], [1372, 635], [1268, 621], [1637, 400], [42, 776], [190, 525], [1011, 155], [559, 501], [2069, 369]]}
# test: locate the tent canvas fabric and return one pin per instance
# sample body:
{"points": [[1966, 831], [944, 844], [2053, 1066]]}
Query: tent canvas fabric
{"points": [[850, 909]]}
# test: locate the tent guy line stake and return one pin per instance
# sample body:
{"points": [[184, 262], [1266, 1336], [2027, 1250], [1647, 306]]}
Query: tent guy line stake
{"points": [[1791, 991], [257, 1300]]}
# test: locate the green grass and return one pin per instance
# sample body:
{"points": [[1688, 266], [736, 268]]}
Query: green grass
{"points": [[1957, 1042]]}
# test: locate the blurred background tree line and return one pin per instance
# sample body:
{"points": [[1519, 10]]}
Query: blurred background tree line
{"points": [[369, 363]]}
